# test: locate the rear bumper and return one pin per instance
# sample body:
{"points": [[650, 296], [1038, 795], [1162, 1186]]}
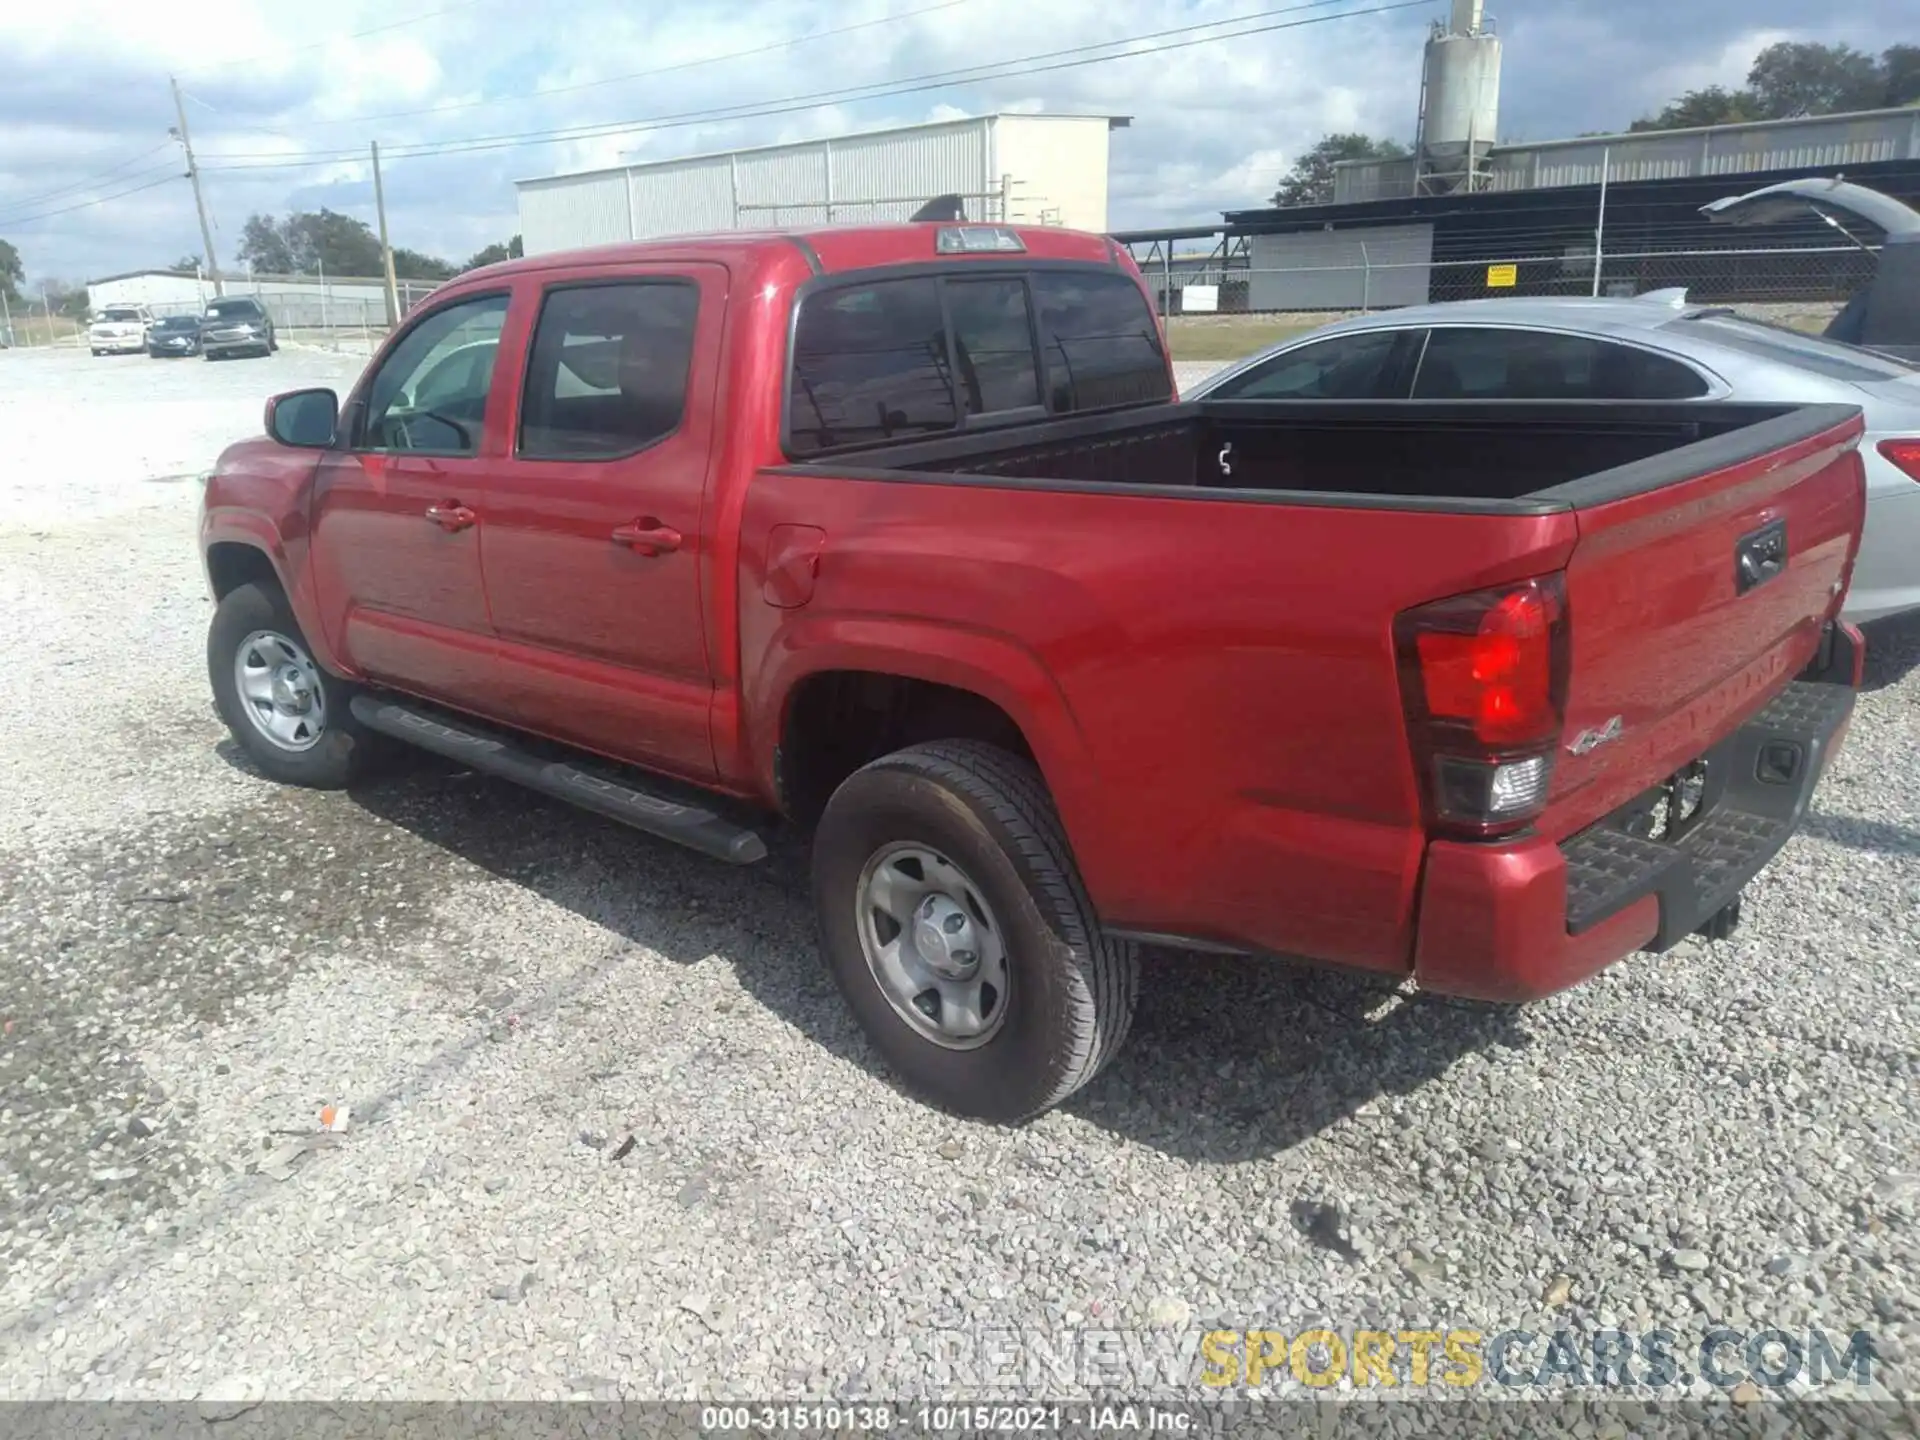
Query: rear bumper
{"points": [[1522, 920]]}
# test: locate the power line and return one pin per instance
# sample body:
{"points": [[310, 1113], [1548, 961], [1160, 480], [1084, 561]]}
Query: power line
{"points": [[20, 220], [750, 109], [212, 65], [543, 93], [75, 185], [871, 91]]}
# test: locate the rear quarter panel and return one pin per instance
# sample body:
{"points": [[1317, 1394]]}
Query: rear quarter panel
{"points": [[1207, 683]]}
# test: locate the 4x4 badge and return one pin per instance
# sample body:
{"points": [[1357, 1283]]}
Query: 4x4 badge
{"points": [[1588, 741]]}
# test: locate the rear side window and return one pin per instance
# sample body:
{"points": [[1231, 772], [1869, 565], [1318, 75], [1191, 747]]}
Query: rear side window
{"points": [[870, 363], [607, 374], [1492, 364], [894, 359], [1343, 367]]}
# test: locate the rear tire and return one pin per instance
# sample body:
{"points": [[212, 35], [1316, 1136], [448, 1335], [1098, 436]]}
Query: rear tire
{"points": [[982, 818], [292, 719]]}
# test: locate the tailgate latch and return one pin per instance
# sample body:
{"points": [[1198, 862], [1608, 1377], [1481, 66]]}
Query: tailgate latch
{"points": [[1760, 556]]}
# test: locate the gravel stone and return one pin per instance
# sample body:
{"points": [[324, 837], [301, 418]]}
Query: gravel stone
{"points": [[184, 944], [1691, 1260]]}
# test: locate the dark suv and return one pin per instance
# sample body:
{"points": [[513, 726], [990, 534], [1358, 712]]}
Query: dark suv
{"points": [[237, 325]]}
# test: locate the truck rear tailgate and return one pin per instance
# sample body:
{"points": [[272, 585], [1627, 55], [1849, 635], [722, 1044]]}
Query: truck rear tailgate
{"points": [[1696, 594]]}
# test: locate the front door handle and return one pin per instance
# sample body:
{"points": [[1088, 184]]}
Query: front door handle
{"points": [[647, 537], [451, 516]]}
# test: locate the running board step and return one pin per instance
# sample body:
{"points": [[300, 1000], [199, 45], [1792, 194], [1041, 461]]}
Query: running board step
{"points": [[484, 750]]}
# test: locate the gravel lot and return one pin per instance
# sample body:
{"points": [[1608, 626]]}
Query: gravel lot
{"points": [[613, 1133]]}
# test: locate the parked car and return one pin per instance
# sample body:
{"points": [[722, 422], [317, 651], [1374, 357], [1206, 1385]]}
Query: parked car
{"points": [[119, 330], [237, 325], [1653, 348], [897, 532], [174, 335]]}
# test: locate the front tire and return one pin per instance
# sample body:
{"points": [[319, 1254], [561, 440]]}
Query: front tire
{"points": [[955, 923], [288, 714]]}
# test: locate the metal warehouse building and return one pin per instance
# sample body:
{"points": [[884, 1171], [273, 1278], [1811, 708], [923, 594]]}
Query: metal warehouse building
{"points": [[1030, 169]]}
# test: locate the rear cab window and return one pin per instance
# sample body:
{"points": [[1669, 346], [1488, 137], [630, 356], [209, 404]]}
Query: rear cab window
{"points": [[879, 357]]}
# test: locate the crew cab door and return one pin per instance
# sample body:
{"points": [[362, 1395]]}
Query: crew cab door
{"points": [[592, 543], [395, 545]]}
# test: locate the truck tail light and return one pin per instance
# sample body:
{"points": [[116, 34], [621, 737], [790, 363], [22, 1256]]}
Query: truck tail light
{"points": [[1904, 455], [1484, 681]]}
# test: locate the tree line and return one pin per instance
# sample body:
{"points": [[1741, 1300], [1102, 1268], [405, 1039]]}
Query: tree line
{"points": [[1787, 80], [314, 242]]}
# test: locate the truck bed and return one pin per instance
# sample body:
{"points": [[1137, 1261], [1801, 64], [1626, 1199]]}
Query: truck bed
{"points": [[1513, 457], [1238, 624]]}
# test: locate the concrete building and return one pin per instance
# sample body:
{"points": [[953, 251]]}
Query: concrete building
{"points": [[1028, 169]]}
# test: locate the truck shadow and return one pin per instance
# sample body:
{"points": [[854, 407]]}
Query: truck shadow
{"points": [[1893, 650], [1236, 1059], [1229, 1060]]}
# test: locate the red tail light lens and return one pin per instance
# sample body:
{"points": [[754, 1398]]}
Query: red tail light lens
{"points": [[1904, 455], [1484, 679]]}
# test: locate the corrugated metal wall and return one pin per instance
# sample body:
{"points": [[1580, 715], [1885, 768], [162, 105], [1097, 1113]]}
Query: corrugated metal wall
{"points": [[856, 179], [1341, 269], [574, 210]]}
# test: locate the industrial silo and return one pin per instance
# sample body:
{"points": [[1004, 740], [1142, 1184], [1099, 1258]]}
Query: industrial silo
{"points": [[1459, 101]]}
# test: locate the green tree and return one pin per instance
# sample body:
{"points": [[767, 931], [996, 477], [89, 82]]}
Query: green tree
{"points": [[325, 240], [1715, 105], [493, 254], [264, 247], [1794, 78], [1900, 64], [412, 265], [1310, 181], [12, 273]]}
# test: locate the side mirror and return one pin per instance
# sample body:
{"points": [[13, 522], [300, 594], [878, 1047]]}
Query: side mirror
{"points": [[304, 418]]}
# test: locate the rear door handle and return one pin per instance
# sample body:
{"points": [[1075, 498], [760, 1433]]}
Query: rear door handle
{"points": [[648, 537], [451, 516]]}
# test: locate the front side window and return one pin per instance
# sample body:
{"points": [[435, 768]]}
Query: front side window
{"points": [[1342, 367], [1492, 364], [431, 392], [608, 371], [870, 363]]}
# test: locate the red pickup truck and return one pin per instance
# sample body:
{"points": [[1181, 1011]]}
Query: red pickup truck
{"points": [[901, 534]]}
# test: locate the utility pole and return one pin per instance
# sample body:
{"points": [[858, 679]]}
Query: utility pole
{"points": [[386, 250], [193, 174]]}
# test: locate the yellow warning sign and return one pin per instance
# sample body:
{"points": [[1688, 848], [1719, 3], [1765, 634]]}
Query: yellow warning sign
{"points": [[1502, 277]]}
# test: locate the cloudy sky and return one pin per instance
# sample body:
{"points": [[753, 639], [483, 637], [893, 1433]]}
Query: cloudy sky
{"points": [[283, 95]]}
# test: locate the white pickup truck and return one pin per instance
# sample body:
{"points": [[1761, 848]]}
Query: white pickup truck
{"points": [[120, 330]]}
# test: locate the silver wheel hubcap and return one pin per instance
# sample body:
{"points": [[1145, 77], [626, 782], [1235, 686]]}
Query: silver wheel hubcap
{"points": [[280, 690], [933, 946]]}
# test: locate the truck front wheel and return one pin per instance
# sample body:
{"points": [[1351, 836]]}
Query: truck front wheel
{"points": [[956, 925], [288, 714]]}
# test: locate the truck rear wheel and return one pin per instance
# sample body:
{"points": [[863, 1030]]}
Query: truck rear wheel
{"points": [[955, 923], [288, 714]]}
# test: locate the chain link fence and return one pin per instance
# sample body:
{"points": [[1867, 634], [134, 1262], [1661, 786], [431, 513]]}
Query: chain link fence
{"points": [[1232, 280]]}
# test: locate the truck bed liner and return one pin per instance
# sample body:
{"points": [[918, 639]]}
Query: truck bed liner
{"points": [[1514, 458]]}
